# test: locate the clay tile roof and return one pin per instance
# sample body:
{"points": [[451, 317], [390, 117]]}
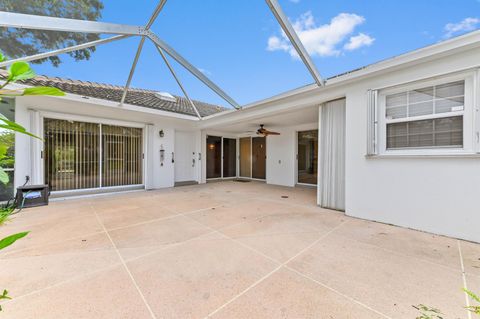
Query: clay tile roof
{"points": [[138, 97]]}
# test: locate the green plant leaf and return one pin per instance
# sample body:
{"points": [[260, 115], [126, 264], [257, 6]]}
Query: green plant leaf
{"points": [[472, 295], [43, 90], [4, 295], [12, 126], [5, 213], [4, 176], [7, 241], [3, 151], [20, 71], [2, 57]]}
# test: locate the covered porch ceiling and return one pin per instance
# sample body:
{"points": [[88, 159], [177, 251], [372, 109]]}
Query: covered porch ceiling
{"points": [[306, 115]]}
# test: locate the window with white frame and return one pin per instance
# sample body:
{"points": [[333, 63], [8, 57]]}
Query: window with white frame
{"points": [[427, 117]]}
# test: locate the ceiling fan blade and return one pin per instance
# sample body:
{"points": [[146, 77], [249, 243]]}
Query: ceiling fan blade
{"points": [[270, 133], [263, 131]]}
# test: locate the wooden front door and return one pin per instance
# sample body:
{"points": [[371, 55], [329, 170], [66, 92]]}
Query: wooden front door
{"points": [[259, 157]]}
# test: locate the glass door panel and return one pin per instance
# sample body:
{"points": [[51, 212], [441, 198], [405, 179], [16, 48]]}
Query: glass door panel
{"points": [[214, 157], [259, 156], [71, 151], [75, 156], [229, 157], [246, 157], [307, 157], [122, 155]]}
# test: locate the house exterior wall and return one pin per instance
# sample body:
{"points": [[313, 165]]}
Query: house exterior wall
{"points": [[282, 154], [155, 176], [435, 193], [438, 194]]}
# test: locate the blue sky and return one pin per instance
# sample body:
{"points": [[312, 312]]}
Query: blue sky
{"points": [[238, 44]]}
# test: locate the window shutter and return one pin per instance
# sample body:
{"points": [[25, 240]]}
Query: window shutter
{"points": [[372, 120]]}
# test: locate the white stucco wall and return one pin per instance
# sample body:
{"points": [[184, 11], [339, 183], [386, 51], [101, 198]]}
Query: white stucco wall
{"points": [[161, 176], [438, 194], [282, 154], [432, 193]]}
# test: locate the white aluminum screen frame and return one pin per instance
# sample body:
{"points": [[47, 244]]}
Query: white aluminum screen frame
{"points": [[35, 22]]}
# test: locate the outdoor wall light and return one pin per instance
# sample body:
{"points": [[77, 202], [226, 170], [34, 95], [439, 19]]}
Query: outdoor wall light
{"points": [[162, 155], [161, 133]]}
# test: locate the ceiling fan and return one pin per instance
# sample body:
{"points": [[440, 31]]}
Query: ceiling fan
{"points": [[265, 132]]}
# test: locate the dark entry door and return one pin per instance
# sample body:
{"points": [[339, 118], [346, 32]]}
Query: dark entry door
{"points": [[229, 157], [259, 156], [214, 157]]}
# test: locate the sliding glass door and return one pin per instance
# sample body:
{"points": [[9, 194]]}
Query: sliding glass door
{"points": [[214, 157], [307, 158], [246, 157], [80, 155], [122, 155], [229, 157], [71, 154], [221, 157]]}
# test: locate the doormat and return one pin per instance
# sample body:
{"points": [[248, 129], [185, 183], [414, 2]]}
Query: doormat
{"points": [[186, 183], [243, 180]]}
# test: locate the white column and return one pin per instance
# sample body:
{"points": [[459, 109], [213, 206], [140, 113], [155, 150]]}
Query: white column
{"points": [[36, 148]]}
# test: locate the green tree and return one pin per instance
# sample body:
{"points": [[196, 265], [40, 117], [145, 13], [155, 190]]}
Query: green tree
{"points": [[17, 43]]}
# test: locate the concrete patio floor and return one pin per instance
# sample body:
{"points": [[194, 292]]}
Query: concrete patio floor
{"points": [[226, 250]]}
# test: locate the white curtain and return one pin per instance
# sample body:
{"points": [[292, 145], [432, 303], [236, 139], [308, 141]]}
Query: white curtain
{"points": [[331, 177]]}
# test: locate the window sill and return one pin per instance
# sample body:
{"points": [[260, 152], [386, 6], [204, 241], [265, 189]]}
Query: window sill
{"points": [[425, 155]]}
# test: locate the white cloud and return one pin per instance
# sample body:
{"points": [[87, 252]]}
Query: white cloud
{"points": [[323, 40], [467, 24], [359, 41]]}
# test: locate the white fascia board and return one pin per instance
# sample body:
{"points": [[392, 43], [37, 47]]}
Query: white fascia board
{"points": [[438, 50], [101, 102], [427, 53], [30, 21], [275, 98], [294, 103]]}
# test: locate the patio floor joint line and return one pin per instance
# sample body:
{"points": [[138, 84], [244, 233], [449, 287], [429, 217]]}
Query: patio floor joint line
{"points": [[464, 278], [292, 269], [124, 265], [336, 291], [275, 270]]}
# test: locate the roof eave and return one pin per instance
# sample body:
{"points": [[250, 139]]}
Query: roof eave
{"points": [[125, 106]]}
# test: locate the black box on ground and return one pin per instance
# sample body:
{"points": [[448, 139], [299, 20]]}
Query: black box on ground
{"points": [[32, 195]]}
